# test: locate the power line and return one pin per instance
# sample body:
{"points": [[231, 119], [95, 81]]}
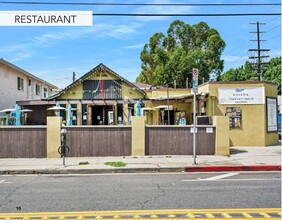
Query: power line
{"points": [[273, 28], [137, 4], [186, 15], [259, 51], [272, 19], [275, 37]]}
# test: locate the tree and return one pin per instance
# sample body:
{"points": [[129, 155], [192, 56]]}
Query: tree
{"points": [[271, 73], [172, 57]]}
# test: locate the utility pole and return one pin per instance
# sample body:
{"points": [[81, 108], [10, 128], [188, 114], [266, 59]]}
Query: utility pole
{"points": [[168, 114], [73, 76], [259, 51]]}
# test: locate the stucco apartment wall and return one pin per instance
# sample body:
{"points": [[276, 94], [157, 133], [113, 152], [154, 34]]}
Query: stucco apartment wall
{"points": [[9, 92]]}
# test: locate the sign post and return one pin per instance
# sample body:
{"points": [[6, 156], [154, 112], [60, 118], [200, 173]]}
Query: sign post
{"points": [[195, 90]]}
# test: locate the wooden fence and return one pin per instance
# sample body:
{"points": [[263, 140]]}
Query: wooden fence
{"points": [[23, 142], [87, 141], [178, 140]]}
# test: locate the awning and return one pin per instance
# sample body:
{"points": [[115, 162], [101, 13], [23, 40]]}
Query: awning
{"points": [[164, 107], [181, 96], [147, 109]]}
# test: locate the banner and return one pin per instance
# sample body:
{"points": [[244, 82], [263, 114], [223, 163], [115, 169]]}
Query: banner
{"points": [[239, 96]]}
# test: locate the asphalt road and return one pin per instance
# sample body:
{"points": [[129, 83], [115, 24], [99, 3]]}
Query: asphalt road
{"points": [[57, 193]]}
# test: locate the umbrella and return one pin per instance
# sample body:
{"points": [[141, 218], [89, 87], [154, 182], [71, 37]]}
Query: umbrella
{"points": [[58, 105], [18, 115], [69, 121], [138, 108], [26, 110], [57, 108], [8, 110]]}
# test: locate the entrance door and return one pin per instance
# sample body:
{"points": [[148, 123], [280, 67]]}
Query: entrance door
{"points": [[97, 115], [110, 117], [164, 117], [102, 115]]}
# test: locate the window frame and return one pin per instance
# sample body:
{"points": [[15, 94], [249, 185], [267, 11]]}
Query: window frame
{"points": [[20, 84], [37, 89]]}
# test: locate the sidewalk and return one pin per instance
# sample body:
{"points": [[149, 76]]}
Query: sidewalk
{"points": [[240, 159]]}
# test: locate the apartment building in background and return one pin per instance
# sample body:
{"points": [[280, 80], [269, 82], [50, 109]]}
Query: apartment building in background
{"points": [[18, 84]]}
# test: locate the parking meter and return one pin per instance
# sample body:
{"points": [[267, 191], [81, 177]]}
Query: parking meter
{"points": [[63, 150]]}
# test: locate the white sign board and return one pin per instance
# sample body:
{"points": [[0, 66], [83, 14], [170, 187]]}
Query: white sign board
{"points": [[271, 114], [46, 18], [195, 80], [239, 96], [209, 130]]}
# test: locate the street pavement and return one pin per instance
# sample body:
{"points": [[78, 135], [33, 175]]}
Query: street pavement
{"points": [[241, 159]]}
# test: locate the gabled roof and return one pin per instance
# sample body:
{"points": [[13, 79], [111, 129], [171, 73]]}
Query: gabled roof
{"points": [[100, 67], [6, 63], [143, 86]]}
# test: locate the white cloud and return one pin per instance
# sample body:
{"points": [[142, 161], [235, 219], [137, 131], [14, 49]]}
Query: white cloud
{"points": [[135, 46], [21, 56], [162, 10], [27, 48], [275, 53], [13, 48], [232, 59]]}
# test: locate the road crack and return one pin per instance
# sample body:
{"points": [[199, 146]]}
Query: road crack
{"points": [[161, 194], [7, 197]]}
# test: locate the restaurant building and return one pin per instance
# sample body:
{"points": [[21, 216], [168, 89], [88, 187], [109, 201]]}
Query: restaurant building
{"points": [[102, 97]]}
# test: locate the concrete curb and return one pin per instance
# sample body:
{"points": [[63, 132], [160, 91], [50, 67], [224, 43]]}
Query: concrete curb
{"points": [[94, 171], [233, 168], [146, 170]]}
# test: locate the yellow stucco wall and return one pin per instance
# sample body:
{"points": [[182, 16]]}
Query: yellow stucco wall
{"points": [[129, 93], [76, 91], [253, 131], [138, 136], [73, 93], [53, 136], [222, 135], [271, 137]]}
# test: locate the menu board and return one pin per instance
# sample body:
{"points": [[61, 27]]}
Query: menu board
{"points": [[235, 117], [272, 124]]}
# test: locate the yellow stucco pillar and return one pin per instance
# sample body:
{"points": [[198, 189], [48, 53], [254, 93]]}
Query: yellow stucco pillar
{"points": [[53, 136], [79, 113], [138, 136], [89, 115], [125, 114], [222, 135]]}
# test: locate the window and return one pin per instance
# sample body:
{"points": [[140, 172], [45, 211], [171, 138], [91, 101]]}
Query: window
{"points": [[20, 84], [29, 82], [37, 89], [45, 93]]}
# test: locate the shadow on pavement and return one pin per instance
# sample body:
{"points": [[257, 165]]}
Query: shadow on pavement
{"points": [[236, 151]]}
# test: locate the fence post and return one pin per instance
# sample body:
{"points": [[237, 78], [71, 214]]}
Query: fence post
{"points": [[53, 136], [138, 136], [222, 135]]}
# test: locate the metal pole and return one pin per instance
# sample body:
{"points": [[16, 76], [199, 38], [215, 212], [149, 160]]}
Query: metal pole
{"points": [[64, 162], [194, 131], [168, 115]]}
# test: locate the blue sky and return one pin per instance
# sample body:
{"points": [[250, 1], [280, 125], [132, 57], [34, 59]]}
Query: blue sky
{"points": [[53, 53]]}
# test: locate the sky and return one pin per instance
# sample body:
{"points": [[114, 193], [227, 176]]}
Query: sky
{"points": [[54, 53]]}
